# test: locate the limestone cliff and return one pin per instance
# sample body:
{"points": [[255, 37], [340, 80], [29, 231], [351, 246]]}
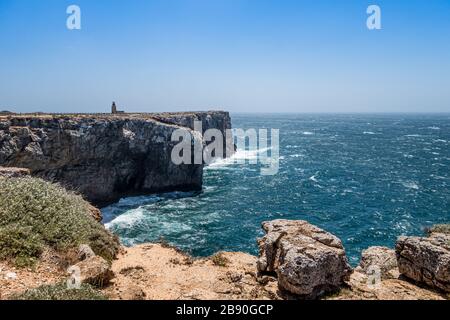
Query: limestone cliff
{"points": [[104, 157]]}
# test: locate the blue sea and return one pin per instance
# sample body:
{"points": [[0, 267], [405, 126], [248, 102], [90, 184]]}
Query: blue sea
{"points": [[366, 178]]}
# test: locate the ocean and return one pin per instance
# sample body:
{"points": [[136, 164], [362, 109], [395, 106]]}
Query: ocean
{"points": [[365, 178]]}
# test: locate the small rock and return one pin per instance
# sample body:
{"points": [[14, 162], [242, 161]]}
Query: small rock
{"points": [[132, 292], [381, 258], [263, 280], [85, 252], [234, 276], [11, 276]]}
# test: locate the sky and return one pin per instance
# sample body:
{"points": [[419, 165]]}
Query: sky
{"points": [[236, 55]]}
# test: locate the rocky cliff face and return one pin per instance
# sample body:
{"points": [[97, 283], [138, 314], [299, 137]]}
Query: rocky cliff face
{"points": [[105, 157]]}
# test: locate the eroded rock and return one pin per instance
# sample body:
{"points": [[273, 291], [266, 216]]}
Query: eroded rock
{"points": [[85, 252], [95, 271], [425, 260], [380, 259], [308, 261]]}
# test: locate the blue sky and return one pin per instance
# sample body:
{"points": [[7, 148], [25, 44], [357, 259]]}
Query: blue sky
{"points": [[238, 55]]}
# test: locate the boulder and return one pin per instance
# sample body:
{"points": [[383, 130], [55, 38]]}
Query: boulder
{"points": [[425, 260], [308, 261], [382, 259], [95, 271]]}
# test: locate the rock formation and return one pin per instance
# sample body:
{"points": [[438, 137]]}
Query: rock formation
{"points": [[105, 157], [95, 271], [377, 278], [425, 260], [14, 172], [380, 259], [308, 261], [155, 271]]}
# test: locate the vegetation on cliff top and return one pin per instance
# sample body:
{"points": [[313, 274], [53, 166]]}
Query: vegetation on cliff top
{"points": [[60, 292], [35, 214]]}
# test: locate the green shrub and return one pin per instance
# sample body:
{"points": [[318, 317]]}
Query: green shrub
{"points": [[35, 214], [60, 292], [12, 244], [220, 260]]}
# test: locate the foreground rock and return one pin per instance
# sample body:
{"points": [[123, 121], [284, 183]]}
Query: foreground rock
{"points": [[95, 271], [425, 260], [105, 157], [377, 278], [308, 261], [362, 286], [379, 259]]}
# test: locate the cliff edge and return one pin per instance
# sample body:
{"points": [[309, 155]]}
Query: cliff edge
{"points": [[105, 157]]}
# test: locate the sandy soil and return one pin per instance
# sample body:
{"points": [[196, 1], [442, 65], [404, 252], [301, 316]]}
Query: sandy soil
{"points": [[16, 280], [152, 271]]}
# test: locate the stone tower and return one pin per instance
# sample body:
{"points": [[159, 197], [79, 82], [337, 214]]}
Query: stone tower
{"points": [[113, 108]]}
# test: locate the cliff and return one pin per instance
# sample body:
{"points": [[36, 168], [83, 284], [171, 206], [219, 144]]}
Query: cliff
{"points": [[105, 157]]}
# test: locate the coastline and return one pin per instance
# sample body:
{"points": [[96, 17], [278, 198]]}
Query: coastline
{"points": [[159, 271]]}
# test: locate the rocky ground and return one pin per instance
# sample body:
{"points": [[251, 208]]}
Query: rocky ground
{"points": [[152, 271], [155, 271], [15, 280]]}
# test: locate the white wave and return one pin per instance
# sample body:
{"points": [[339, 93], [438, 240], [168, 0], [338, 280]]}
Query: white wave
{"points": [[127, 219], [410, 185], [368, 132], [238, 156], [440, 140], [434, 128], [412, 135], [313, 178], [296, 155], [307, 133]]}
